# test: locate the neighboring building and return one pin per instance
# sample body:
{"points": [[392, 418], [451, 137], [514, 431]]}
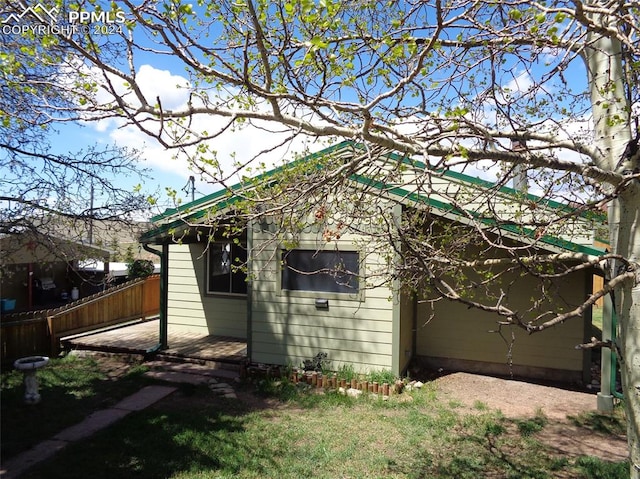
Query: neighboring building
{"points": [[40, 272], [41, 269], [287, 316], [118, 237]]}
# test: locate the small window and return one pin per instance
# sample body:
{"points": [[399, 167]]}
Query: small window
{"points": [[321, 271], [224, 268]]}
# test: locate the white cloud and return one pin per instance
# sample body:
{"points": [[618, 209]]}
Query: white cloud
{"points": [[239, 144], [521, 83], [173, 90], [247, 142]]}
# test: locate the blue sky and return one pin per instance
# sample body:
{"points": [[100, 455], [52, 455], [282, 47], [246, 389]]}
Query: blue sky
{"points": [[159, 75], [167, 171]]}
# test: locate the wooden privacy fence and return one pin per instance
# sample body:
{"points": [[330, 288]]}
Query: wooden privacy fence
{"points": [[40, 332]]}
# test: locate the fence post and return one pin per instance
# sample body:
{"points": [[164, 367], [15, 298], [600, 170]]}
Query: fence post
{"points": [[53, 336]]}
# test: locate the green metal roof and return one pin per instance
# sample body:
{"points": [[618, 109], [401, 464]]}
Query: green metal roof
{"points": [[512, 228], [224, 199]]}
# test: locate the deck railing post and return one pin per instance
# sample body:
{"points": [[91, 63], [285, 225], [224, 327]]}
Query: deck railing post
{"points": [[52, 336]]}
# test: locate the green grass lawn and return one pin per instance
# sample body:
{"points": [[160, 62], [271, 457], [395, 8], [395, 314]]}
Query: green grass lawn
{"points": [[71, 388], [276, 431], [596, 318]]}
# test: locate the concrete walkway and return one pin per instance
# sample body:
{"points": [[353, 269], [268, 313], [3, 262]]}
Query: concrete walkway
{"points": [[147, 396]]}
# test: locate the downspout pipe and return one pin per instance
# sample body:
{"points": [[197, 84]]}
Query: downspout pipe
{"points": [[163, 342]]}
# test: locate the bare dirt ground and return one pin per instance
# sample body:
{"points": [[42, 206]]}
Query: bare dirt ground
{"points": [[514, 398], [519, 399]]}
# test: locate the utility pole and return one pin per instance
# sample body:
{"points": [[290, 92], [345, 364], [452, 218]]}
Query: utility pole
{"points": [[91, 216], [191, 186]]}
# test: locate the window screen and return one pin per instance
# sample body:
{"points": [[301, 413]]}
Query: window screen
{"points": [[322, 271]]}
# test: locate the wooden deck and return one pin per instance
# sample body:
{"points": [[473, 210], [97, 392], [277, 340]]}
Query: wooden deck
{"points": [[142, 337]]}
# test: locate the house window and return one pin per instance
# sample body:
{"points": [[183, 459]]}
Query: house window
{"points": [[224, 268], [320, 271]]}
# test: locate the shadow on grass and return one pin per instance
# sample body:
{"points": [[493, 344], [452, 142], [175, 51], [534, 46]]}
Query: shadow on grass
{"points": [[536, 465], [169, 440], [606, 423], [70, 389], [490, 449], [281, 430]]}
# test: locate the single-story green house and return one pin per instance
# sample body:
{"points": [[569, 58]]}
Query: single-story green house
{"points": [[287, 315]]}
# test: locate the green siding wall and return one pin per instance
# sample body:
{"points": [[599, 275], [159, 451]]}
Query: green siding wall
{"points": [[190, 308], [459, 333], [406, 346], [287, 328]]}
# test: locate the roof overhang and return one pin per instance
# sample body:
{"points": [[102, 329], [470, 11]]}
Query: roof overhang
{"points": [[193, 220]]}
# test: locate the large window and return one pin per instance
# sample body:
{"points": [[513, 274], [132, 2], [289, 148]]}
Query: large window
{"points": [[320, 271], [224, 268]]}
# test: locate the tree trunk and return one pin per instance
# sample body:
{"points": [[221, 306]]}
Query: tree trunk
{"points": [[612, 133], [628, 309]]}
